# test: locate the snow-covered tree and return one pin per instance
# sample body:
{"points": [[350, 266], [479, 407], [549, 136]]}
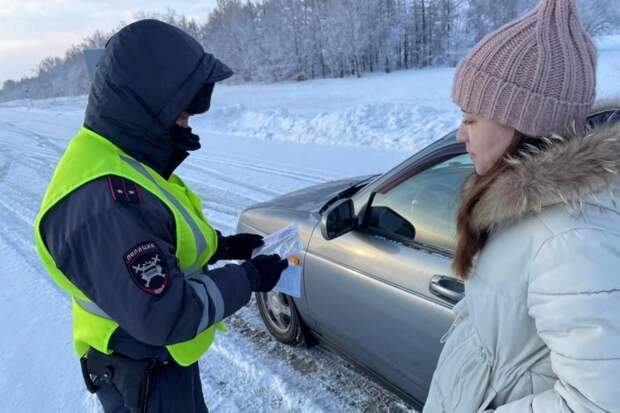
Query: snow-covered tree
{"points": [[273, 40]]}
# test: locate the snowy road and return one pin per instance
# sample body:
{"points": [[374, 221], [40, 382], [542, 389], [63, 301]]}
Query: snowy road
{"points": [[246, 370], [249, 155]]}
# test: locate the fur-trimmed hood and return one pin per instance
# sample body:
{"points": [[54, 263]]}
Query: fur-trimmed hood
{"points": [[564, 170]]}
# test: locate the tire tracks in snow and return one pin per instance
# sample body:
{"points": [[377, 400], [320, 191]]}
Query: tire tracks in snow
{"points": [[222, 206], [212, 173], [318, 175], [268, 170], [295, 378], [17, 217], [247, 370], [42, 140], [16, 231], [5, 165]]}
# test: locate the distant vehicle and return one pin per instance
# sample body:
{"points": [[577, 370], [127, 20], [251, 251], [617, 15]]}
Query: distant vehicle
{"points": [[377, 285]]}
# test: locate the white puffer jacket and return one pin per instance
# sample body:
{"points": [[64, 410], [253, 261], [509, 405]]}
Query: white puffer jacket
{"points": [[539, 329]]}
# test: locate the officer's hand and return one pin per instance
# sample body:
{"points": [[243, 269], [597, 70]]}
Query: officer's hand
{"points": [[240, 246], [268, 271]]}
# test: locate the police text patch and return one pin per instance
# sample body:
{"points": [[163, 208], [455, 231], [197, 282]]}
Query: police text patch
{"points": [[147, 267]]}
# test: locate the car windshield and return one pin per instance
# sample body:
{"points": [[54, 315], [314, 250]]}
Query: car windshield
{"points": [[448, 139]]}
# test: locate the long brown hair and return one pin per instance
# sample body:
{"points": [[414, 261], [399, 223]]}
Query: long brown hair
{"points": [[470, 240]]}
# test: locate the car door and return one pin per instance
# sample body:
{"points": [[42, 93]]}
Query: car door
{"points": [[382, 294]]}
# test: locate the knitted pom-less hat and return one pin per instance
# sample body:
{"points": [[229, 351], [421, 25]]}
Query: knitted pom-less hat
{"points": [[535, 74]]}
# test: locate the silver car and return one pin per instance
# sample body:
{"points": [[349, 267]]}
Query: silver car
{"points": [[376, 265], [377, 284]]}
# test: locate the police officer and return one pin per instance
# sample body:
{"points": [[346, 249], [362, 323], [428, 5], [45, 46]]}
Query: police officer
{"points": [[127, 238]]}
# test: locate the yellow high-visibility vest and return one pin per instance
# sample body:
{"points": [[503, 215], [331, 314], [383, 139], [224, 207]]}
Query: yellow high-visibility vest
{"points": [[90, 156]]}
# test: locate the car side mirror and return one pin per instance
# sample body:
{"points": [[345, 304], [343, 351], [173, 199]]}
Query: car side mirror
{"points": [[338, 219], [389, 221]]}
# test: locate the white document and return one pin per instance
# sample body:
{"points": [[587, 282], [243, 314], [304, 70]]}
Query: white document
{"points": [[287, 244]]}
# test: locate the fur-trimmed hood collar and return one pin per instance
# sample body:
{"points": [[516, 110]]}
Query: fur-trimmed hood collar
{"points": [[563, 171]]}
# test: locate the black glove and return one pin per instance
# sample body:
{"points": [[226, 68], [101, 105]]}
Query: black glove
{"points": [[236, 247], [268, 269]]}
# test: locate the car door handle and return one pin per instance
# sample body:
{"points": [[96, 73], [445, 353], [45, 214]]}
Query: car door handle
{"points": [[447, 288]]}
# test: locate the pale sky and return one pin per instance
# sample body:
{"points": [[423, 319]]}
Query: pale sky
{"points": [[31, 30]]}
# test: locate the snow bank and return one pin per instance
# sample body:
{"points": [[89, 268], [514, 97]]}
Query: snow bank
{"points": [[383, 125], [403, 111]]}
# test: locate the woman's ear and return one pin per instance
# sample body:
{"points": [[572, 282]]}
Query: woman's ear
{"points": [[515, 144]]}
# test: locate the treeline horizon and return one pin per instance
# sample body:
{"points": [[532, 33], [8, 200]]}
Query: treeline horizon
{"points": [[297, 40]]}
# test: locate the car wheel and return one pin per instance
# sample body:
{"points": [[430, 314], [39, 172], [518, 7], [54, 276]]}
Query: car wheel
{"points": [[280, 315]]}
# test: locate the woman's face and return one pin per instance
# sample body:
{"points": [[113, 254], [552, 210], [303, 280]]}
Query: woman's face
{"points": [[486, 140]]}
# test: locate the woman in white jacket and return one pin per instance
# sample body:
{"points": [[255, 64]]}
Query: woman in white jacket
{"points": [[538, 228]]}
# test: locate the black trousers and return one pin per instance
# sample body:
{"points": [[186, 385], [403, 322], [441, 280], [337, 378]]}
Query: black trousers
{"points": [[175, 389]]}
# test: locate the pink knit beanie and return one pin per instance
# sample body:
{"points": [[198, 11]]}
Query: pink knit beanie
{"points": [[535, 74]]}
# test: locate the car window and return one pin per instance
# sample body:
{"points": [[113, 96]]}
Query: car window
{"points": [[423, 208], [611, 116]]}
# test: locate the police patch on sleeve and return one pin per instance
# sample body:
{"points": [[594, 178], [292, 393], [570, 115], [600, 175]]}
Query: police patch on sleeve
{"points": [[147, 267]]}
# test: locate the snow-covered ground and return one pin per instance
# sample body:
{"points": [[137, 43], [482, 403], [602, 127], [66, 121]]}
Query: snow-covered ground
{"points": [[259, 141]]}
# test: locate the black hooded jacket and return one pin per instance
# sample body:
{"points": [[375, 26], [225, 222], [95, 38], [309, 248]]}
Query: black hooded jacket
{"points": [[149, 73]]}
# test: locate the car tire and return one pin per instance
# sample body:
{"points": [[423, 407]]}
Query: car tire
{"points": [[281, 317]]}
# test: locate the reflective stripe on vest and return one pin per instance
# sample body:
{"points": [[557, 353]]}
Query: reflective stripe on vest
{"points": [[199, 238], [201, 245], [209, 288], [89, 156], [91, 307]]}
